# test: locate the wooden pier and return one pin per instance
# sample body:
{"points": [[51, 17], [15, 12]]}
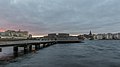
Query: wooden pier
{"points": [[27, 45]]}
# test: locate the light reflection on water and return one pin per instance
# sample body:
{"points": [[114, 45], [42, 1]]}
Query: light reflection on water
{"points": [[103, 53]]}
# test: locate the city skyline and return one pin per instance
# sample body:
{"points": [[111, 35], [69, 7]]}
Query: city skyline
{"points": [[52, 16]]}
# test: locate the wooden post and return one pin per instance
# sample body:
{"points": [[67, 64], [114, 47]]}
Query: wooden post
{"points": [[44, 45], [51, 43], [15, 50], [25, 49], [36, 47], [48, 44], [30, 48]]}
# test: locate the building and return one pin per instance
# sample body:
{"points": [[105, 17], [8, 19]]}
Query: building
{"points": [[63, 35], [15, 34], [52, 35], [81, 37], [59, 36], [108, 36], [118, 36], [99, 36], [90, 36]]}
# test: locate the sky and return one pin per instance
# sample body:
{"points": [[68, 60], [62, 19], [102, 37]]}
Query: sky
{"points": [[41, 17]]}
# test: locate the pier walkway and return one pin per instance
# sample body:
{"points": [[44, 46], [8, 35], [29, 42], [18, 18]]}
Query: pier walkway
{"points": [[26, 44]]}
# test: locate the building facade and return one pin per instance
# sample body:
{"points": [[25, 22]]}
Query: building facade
{"points": [[108, 36], [15, 34], [59, 36]]}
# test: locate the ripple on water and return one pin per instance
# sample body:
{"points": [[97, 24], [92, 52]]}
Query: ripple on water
{"points": [[89, 54]]}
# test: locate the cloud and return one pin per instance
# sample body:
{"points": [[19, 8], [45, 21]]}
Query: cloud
{"points": [[45, 16]]}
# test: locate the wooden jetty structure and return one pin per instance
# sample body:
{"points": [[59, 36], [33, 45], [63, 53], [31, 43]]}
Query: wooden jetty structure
{"points": [[28, 45]]}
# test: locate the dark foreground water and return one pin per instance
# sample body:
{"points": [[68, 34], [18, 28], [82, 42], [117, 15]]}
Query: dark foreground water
{"points": [[99, 53]]}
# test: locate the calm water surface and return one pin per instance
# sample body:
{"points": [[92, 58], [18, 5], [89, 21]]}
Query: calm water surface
{"points": [[98, 53]]}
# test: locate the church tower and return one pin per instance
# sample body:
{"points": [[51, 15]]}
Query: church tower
{"points": [[90, 34]]}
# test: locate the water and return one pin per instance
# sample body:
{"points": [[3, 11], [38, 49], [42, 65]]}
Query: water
{"points": [[98, 53]]}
